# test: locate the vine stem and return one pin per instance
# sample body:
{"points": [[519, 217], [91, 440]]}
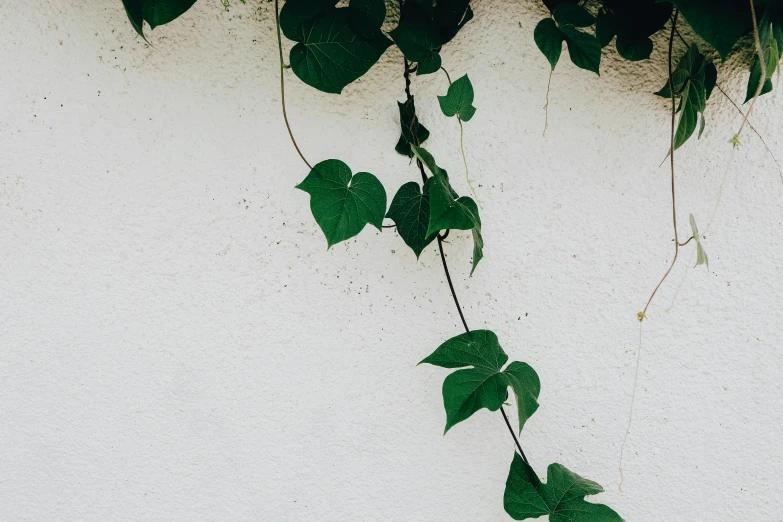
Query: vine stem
{"points": [[282, 85], [441, 238], [762, 67], [643, 314]]}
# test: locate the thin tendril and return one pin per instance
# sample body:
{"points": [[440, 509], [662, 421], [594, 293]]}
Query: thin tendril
{"points": [[282, 85]]}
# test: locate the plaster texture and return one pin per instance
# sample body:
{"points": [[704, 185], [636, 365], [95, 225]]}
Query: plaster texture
{"points": [[176, 342]]}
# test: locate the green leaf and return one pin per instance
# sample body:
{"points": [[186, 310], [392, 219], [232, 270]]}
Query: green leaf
{"points": [[720, 22], [459, 99], [134, 10], [562, 497], [690, 80], [450, 17], [710, 78], [754, 79], [634, 49], [418, 39], [410, 210], [484, 385], [605, 27], [343, 204], [412, 131], [549, 40], [573, 14], [159, 12], [367, 16], [447, 209], [330, 53], [701, 254], [583, 48]]}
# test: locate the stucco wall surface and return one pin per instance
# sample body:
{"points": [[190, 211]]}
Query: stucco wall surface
{"points": [[176, 342]]}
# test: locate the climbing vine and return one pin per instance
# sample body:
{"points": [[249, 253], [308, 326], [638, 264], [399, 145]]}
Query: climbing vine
{"points": [[335, 45]]}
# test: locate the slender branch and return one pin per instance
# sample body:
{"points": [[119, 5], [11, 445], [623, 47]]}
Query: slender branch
{"points": [[546, 105], [440, 239], [689, 240], [282, 85], [514, 435], [451, 285], [643, 314]]}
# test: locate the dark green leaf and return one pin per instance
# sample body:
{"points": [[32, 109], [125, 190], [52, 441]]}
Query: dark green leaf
{"points": [[159, 12], [605, 27], [448, 210], [562, 497], [419, 40], [296, 12], [133, 8], [343, 204], [754, 79], [410, 210], [690, 85], [367, 16], [583, 48], [549, 40], [330, 53], [720, 22], [412, 131], [484, 385], [634, 49], [451, 16], [572, 14], [459, 99], [710, 78]]}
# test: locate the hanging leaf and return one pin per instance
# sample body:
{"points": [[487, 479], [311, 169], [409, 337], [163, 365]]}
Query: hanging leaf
{"points": [[605, 27], [410, 210], [154, 12], [549, 40], [583, 48], [701, 255], [483, 385], [343, 204], [770, 30], [710, 79], [720, 22], [448, 211], [451, 16], [634, 23], [412, 131], [330, 52], [367, 16], [458, 100], [562, 497], [689, 80], [418, 38], [572, 14]]}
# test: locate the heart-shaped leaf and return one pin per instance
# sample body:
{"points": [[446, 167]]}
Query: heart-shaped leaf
{"points": [[410, 210], [331, 52], [343, 204], [459, 99], [549, 40]]}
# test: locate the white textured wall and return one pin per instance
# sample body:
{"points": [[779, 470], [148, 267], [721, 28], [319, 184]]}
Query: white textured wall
{"points": [[176, 343]]}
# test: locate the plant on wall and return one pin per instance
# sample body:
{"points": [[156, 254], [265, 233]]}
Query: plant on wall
{"points": [[334, 46]]}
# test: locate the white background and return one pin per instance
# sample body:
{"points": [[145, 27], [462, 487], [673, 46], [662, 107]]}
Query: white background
{"points": [[176, 342]]}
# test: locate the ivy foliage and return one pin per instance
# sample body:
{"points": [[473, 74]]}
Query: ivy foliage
{"points": [[458, 100], [335, 46], [449, 211], [412, 131], [154, 12], [562, 497], [583, 47], [485, 384], [693, 81], [342, 203]]}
